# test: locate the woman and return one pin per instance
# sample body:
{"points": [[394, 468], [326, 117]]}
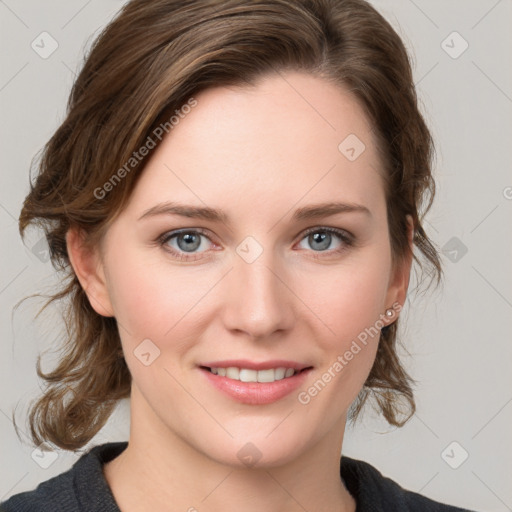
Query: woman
{"points": [[235, 195]]}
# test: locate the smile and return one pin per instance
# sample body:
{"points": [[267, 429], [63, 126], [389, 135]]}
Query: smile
{"points": [[260, 384], [248, 375]]}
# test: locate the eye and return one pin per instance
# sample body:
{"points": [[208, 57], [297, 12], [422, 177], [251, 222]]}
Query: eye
{"points": [[320, 240], [184, 244]]}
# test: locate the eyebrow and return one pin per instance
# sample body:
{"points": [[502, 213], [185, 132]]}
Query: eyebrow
{"points": [[314, 211]]}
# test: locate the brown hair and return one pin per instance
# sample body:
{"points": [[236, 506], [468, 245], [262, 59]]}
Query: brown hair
{"points": [[143, 67]]}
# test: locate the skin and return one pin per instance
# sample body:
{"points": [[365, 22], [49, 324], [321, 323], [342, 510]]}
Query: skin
{"points": [[258, 153]]}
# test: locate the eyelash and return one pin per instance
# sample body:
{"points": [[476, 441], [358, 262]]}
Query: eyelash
{"points": [[344, 236]]}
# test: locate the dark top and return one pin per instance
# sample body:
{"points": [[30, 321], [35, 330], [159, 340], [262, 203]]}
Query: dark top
{"points": [[83, 488]]}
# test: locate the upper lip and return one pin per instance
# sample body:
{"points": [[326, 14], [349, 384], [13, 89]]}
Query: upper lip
{"points": [[252, 365]]}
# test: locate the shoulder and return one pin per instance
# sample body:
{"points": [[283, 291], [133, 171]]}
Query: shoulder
{"points": [[81, 488], [377, 493], [53, 494]]}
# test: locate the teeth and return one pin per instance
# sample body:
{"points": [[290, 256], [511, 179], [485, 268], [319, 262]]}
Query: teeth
{"points": [[233, 373], [247, 375], [279, 373], [265, 375]]}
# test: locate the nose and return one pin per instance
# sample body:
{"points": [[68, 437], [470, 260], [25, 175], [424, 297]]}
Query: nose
{"points": [[258, 297]]}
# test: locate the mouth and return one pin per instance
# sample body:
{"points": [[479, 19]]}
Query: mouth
{"points": [[251, 375], [255, 383]]}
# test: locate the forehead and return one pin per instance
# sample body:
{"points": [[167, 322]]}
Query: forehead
{"points": [[290, 138]]}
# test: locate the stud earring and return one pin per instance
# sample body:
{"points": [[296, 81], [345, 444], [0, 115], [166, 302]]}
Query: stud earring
{"points": [[389, 313]]}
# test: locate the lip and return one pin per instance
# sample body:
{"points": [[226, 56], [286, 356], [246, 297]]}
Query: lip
{"points": [[256, 393], [251, 365]]}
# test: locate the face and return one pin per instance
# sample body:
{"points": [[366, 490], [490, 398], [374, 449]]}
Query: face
{"points": [[275, 282]]}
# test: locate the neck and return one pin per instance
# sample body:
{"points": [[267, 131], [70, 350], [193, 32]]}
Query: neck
{"points": [[159, 468]]}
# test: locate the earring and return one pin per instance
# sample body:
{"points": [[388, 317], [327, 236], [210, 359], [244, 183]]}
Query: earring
{"points": [[389, 313]]}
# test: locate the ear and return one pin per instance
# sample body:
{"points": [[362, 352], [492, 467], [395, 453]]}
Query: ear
{"points": [[397, 291], [88, 267]]}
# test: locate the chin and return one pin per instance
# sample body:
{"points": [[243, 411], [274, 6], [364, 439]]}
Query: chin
{"points": [[256, 451]]}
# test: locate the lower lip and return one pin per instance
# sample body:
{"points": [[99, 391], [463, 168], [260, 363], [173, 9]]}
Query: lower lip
{"points": [[256, 393]]}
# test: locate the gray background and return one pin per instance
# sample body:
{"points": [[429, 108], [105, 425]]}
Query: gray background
{"points": [[458, 337]]}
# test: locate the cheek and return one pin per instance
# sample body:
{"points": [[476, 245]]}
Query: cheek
{"points": [[350, 301], [157, 301], [348, 298], [143, 296], [350, 306]]}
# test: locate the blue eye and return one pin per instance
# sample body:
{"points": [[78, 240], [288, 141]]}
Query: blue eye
{"points": [[320, 240], [187, 242]]}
